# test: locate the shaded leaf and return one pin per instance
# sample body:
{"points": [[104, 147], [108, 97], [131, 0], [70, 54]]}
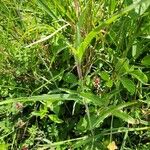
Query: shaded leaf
{"points": [[82, 124], [147, 101], [70, 78]]}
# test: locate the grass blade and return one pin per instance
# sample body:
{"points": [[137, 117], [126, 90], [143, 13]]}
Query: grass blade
{"points": [[46, 97], [47, 37], [109, 111], [124, 116], [81, 49]]}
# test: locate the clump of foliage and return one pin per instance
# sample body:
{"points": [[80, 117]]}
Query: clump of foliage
{"points": [[74, 74]]}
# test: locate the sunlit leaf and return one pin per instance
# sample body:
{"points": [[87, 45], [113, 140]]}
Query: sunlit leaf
{"points": [[146, 60], [122, 66], [70, 78], [45, 97], [4, 146], [104, 75], [112, 146], [55, 118], [43, 4], [82, 48], [91, 98], [138, 74], [142, 8], [109, 83], [128, 84]]}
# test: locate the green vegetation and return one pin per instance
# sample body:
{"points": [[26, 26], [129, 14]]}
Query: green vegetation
{"points": [[74, 74]]}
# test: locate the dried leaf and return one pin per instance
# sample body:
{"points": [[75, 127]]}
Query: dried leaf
{"points": [[112, 146]]}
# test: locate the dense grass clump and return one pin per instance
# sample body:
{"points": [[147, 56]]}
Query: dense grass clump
{"points": [[74, 74]]}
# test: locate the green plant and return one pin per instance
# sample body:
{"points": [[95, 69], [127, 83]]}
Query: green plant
{"points": [[74, 74]]}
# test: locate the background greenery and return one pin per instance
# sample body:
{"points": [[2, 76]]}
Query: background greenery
{"points": [[74, 74]]}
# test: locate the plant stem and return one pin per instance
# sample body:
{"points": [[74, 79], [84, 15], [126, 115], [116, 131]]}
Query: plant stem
{"points": [[79, 70]]}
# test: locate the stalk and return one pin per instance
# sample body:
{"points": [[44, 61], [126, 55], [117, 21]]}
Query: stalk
{"points": [[79, 70]]}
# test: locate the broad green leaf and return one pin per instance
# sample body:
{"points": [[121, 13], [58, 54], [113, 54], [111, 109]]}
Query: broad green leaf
{"points": [[124, 116], [128, 84], [146, 60], [104, 75], [138, 74], [70, 78], [54, 118], [147, 37], [4, 146], [38, 114], [41, 113], [109, 83]]}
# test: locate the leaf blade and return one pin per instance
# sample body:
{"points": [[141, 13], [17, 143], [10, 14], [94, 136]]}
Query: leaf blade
{"points": [[138, 74], [124, 116], [128, 84], [146, 60]]}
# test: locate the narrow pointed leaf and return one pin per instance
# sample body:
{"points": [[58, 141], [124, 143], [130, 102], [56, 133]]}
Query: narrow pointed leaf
{"points": [[96, 100], [109, 111], [43, 4], [124, 116], [93, 33], [46, 97], [47, 37]]}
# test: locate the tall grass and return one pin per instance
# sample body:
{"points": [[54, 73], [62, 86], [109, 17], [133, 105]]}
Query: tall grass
{"points": [[74, 74]]}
